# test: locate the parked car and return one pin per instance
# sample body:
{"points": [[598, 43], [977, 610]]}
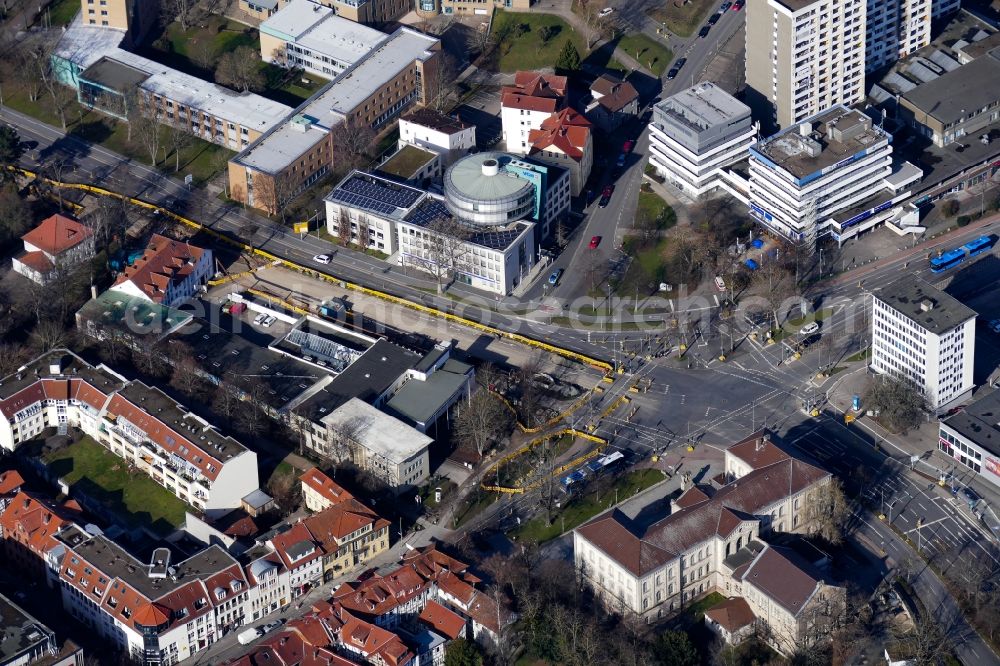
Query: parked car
{"points": [[554, 278], [675, 70], [995, 325], [809, 328], [720, 284], [271, 626], [714, 18], [607, 11], [259, 319], [738, 5], [322, 259], [703, 33], [620, 162], [725, 6], [270, 319], [248, 636], [628, 146], [608, 191], [604, 201], [970, 495], [594, 242]]}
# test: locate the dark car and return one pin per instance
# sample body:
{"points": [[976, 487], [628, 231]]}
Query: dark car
{"points": [[554, 278], [603, 203], [970, 495], [737, 6], [675, 70], [714, 18], [627, 146], [725, 6], [608, 191], [703, 33]]}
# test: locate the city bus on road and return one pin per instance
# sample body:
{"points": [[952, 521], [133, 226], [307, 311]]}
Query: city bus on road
{"points": [[978, 246], [947, 260]]}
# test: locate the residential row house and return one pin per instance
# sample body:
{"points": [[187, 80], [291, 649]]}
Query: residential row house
{"points": [[142, 425], [710, 540]]}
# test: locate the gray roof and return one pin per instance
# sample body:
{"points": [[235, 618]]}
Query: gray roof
{"points": [[979, 422], [22, 634], [955, 94], [257, 499], [910, 297], [466, 177], [114, 75], [703, 106], [420, 401]]}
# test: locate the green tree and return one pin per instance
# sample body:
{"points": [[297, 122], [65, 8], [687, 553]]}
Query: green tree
{"points": [[10, 150], [463, 653], [569, 58], [674, 648], [897, 401]]}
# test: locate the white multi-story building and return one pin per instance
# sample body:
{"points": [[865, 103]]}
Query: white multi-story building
{"points": [[525, 104], [803, 56], [169, 272], [143, 426], [832, 174], [709, 539], [310, 35], [894, 29], [433, 130], [696, 133], [926, 336], [941, 8], [971, 437]]}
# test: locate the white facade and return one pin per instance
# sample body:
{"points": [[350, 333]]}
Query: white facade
{"points": [[937, 358], [803, 57], [449, 144], [968, 438], [382, 234], [798, 184], [517, 124], [941, 8], [895, 29], [696, 133]]}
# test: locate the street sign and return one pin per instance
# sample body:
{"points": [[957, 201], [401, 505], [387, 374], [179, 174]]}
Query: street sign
{"points": [[301, 227], [188, 179]]}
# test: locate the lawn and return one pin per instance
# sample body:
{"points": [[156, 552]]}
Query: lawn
{"points": [[696, 611], [89, 467], [863, 355], [657, 209], [289, 87], [61, 12], [405, 163], [682, 18], [650, 53], [197, 50], [525, 49], [585, 507]]}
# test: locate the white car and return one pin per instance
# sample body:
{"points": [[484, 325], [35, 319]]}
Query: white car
{"points": [[809, 328], [720, 284], [607, 11], [270, 626], [268, 320], [322, 259], [259, 319]]}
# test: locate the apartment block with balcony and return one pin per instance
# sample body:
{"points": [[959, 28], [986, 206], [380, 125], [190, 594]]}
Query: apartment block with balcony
{"points": [[695, 134], [925, 336], [174, 447], [803, 56], [894, 29], [803, 179]]}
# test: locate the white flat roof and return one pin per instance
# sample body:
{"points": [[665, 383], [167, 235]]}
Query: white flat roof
{"points": [[85, 45], [328, 108], [317, 28], [378, 432]]}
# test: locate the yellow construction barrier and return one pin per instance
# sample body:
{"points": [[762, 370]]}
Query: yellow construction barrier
{"points": [[232, 277], [516, 337], [600, 441]]}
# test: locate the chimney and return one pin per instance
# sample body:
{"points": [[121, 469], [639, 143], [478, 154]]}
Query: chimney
{"points": [[93, 292]]}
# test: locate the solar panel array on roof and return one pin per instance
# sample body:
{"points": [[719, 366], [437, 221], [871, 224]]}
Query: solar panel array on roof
{"points": [[496, 240], [429, 211], [400, 197], [365, 203]]}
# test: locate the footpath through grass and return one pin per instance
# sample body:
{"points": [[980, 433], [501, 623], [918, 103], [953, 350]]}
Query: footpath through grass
{"points": [[584, 507], [647, 51], [532, 41], [89, 468]]}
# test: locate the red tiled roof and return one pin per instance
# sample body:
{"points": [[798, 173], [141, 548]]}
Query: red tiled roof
{"points": [[758, 451], [567, 131], [10, 482], [166, 437], [535, 92], [56, 234], [783, 577], [32, 522], [325, 486], [445, 622], [36, 261], [331, 526], [540, 84], [690, 497], [296, 534], [151, 615], [732, 614], [165, 261]]}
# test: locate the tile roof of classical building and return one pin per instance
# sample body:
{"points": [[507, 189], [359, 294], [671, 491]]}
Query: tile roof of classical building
{"points": [[56, 234], [34, 521], [333, 525], [720, 514], [10, 481], [164, 262], [784, 577], [36, 261], [732, 614], [442, 620], [295, 546], [758, 451], [532, 91]]}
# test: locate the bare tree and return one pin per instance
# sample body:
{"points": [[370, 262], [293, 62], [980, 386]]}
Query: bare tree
{"points": [[443, 83], [109, 221], [596, 24], [252, 413], [482, 421], [203, 54], [827, 512], [49, 334], [239, 69], [144, 123], [12, 357], [354, 142], [273, 193], [183, 11], [447, 250], [897, 401], [179, 139], [775, 285]]}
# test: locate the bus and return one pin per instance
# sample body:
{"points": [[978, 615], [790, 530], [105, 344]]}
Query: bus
{"points": [[949, 259], [978, 246]]}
